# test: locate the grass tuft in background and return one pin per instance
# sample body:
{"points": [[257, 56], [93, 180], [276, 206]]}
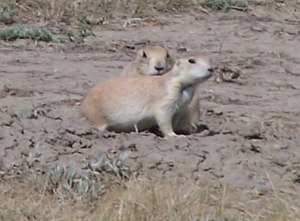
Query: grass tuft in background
{"points": [[79, 16], [23, 32], [225, 4]]}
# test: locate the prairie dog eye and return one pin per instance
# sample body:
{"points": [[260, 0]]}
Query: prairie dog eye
{"points": [[144, 55], [192, 61], [168, 56]]}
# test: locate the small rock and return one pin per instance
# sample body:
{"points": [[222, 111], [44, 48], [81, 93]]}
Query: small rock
{"points": [[205, 133], [255, 148], [296, 178], [218, 111], [249, 146], [26, 152], [4, 165], [170, 164], [160, 6], [282, 162], [195, 169], [132, 147], [7, 121], [219, 78], [76, 145], [262, 190], [61, 131], [251, 133], [71, 130]]}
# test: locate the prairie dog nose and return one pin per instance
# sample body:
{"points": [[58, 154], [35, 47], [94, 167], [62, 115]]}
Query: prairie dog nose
{"points": [[159, 68]]}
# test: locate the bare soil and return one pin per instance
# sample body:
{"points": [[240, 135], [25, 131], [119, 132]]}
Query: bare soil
{"points": [[250, 125]]}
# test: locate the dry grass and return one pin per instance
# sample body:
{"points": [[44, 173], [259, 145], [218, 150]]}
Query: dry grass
{"points": [[98, 11], [28, 199], [75, 18], [225, 4], [107, 189]]}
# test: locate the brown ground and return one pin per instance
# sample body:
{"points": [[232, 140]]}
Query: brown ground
{"points": [[253, 122]]}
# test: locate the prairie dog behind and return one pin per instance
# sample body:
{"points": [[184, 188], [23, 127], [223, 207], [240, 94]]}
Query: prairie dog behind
{"points": [[150, 60], [153, 100]]}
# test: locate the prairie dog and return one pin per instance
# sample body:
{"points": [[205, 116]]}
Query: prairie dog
{"points": [[153, 100], [147, 62], [151, 60]]}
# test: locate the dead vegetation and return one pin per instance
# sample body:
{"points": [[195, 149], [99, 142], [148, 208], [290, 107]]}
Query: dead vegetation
{"points": [[107, 189], [67, 11], [76, 17], [33, 198]]}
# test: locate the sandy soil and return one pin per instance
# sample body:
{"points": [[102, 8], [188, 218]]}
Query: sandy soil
{"points": [[252, 123]]}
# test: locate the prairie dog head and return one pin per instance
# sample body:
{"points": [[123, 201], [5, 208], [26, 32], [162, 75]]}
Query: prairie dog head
{"points": [[153, 60], [192, 70]]}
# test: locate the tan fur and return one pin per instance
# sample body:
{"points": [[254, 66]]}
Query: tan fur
{"points": [[151, 60], [125, 103], [188, 121]]}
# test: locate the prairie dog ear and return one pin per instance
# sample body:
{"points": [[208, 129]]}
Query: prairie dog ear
{"points": [[142, 53], [168, 54]]}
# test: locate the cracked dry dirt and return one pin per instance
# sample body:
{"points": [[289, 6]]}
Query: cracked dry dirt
{"points": [[253, 122]]}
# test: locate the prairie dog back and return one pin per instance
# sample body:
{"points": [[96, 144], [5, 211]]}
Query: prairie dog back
{"points": [[123, 101], [151, 60]]}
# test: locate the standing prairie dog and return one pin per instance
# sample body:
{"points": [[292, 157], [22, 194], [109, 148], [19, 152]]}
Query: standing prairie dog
{"points": [[155, 60], [150, 60], [151, 101]]}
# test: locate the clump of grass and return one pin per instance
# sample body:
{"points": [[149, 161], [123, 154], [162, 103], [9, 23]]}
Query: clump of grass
{"points": [[22, 32], [88, 181], [225, 4], [179, 5], [77, 181], [6, 15]]}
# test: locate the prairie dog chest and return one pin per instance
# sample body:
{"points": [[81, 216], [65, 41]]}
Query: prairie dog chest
{"points": [[185, 98]]}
